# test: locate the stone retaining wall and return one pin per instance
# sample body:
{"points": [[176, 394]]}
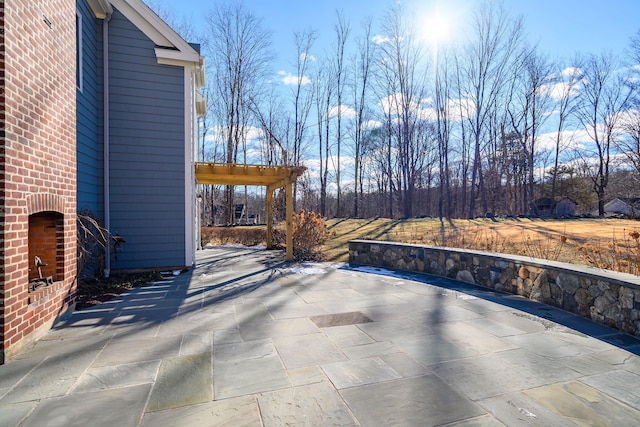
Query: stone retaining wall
{"points": [[607, 297]]}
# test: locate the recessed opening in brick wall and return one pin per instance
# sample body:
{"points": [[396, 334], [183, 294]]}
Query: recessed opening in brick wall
{"points": [[46, 249]]}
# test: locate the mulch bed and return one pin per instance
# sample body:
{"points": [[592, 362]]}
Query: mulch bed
{"points": [[99, 290]]}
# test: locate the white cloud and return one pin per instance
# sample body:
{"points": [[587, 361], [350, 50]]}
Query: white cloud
{"points": [[457, 109], [307, 56], [558, 90], [253, 133], [345, 110], [460, 109], [313, 165], [395, 103], [567, 81], [370, 125], [255, 156], [570, 71], [290, 79], [218, 134], [569, 140], [380, 39], [629, 119]]}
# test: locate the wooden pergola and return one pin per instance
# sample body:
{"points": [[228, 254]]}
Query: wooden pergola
{"points": [[272, 177]]}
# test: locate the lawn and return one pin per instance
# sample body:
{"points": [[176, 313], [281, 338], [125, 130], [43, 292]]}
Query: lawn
{"points": [[607, 243]]}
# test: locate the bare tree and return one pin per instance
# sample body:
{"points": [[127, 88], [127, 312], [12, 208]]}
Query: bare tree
{"points": [[634, 48], [342, 29], [399, 61], [181, 25], [361, 87], [485, 70], [528, 111], [629, 145], [443, 133], [238, 52], [604, 96], [302, 90], [324, 87], [566, 92]]}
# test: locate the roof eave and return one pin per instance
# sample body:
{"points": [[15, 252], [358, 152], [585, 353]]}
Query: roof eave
{"points": [[158, 31], [100, 8]]}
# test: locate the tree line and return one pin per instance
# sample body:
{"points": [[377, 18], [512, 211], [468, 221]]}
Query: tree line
{"points": [[390, 126]]}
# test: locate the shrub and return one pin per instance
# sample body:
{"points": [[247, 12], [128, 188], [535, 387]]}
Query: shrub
{"points": [[92, 240], [248, 236], [309, 234], [619, 255]]}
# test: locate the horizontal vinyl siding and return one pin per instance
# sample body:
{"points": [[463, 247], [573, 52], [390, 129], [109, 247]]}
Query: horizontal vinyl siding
{"points": [[88, 115], [147, 151]]}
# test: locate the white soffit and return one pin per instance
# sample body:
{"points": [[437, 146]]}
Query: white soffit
{"points": [[100, 8]]}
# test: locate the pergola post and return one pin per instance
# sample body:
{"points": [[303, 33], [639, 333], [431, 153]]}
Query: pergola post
{"points": [[289, 194], [269, 217]]}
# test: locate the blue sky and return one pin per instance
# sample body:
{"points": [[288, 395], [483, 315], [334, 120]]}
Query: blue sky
{"points": [[561, 27]]}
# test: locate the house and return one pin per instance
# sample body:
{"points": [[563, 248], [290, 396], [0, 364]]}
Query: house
{"points": [[565, 207], [546, 206], [137, 127], [543, 206], [100, 112], [623, 206]]}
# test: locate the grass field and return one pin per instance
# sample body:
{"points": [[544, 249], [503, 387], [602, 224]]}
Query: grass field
{"points": [[600, 242]]}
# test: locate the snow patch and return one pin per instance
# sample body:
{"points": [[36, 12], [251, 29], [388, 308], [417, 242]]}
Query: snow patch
{"points": [[376, 270], [307, 270]]}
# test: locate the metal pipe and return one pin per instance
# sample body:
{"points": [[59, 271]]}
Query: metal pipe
{"points": [[105, 142]]}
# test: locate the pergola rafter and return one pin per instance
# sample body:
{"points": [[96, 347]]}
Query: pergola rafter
{"points": [[271, 177]]}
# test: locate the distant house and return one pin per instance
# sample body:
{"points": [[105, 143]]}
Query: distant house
{"points": [[623, 206], [548, 207], [543, 206], [565, 207], [136, 127]]}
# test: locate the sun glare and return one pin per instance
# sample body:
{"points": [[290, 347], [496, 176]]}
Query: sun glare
{"points": [[436, 28], [438, 23]]}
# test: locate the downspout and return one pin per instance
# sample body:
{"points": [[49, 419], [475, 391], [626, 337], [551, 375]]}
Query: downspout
{"points": [[105, 142]]}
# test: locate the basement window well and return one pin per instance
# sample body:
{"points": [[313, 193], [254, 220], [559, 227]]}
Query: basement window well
{"points": [[46, 249]]}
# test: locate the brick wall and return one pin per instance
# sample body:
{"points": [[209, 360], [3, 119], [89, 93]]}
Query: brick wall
{"points": [[37, 160]]}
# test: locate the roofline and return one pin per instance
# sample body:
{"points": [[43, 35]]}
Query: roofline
{"points": [[100, 8], [165, 37]]}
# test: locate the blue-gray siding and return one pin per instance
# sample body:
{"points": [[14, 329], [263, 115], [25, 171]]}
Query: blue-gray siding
{"points": [[88, 114], [147, 164]]}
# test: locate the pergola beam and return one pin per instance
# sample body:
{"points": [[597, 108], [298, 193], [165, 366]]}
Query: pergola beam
{"points": [[273, 177]]}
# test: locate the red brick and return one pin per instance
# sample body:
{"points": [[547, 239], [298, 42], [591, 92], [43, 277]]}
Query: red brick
{"points": [[38, 158]]}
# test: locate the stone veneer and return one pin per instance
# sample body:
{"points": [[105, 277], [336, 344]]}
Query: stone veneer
{"points": [[607, 297]]}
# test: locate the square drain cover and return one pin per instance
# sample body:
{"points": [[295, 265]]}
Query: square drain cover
{"points": [[339, 319]]}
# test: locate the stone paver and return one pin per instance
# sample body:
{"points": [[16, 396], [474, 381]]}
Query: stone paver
{"points": [[410, 402], [106, 377], [584, 405], [358, 372], [245, 339], [105, 408], [310, 405], [238, 412], [182, 381]]}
